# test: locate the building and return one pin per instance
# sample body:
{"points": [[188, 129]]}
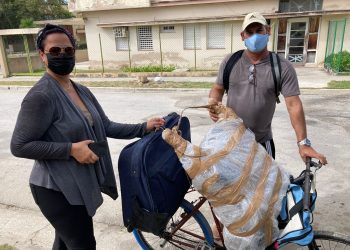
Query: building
{"points": [[18, 52], [199, 33]]}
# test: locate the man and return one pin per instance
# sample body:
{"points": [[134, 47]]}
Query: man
{"points": [[251, 91]]}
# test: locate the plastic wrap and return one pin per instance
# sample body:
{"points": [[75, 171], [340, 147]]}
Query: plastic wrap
{"points": [[242, 182]]}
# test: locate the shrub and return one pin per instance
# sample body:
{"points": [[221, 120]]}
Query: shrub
{"points": [[339, 62], [150, 68]]}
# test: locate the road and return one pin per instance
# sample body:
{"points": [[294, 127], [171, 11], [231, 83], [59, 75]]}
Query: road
{"points": [[328, 119]]}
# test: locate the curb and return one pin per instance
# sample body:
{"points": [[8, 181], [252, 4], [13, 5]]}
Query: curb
{"points": [[119, 89]]}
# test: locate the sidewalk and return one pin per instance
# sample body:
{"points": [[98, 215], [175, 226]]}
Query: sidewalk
{"points": [[308, 78]]}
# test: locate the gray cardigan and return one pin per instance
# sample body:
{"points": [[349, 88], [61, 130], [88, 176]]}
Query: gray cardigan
{"points": [[47, 125]]}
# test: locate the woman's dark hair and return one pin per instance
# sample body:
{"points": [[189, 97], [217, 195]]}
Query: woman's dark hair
{"points": [[49, 29]]}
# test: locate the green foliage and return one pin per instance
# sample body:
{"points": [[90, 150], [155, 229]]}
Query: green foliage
{"points": [[13, 11], [339, 62], [339, 85], [81, 46], [27, 23], [150, 68], [7, 247]]}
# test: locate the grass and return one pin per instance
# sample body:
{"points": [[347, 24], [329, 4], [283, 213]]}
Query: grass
{"points": [[339, 85], [150, 68], [7, 247], [126, 84]]}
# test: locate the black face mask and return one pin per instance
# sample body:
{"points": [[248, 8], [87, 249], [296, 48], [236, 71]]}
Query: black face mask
{"points": [[61, 65]]}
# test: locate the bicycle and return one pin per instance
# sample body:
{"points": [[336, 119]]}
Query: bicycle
{"points": [[189, 229]]}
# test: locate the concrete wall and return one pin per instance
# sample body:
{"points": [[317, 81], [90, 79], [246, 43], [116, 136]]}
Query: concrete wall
{"points": [[173, 51], [81, 55], [19, 64], [336, 5], [172, 48], [322, 41], [87, 5], [183, 13]]}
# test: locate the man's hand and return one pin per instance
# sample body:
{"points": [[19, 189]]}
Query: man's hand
{"points": [[154, 123], [308, 151], [212, 114], [215, 97], [82, 153]]}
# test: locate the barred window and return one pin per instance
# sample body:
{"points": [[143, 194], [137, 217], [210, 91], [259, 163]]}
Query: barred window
{"points": [[216, 36], [121, 38], [192, 33], [144, 38], [300, 5]]}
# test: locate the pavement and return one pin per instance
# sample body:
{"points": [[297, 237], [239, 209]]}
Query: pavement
{"points": [[328, 117], [309, 77]]}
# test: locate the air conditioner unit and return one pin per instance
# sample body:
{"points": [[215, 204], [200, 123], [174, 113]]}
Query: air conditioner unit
{"points": [[121, 31]]}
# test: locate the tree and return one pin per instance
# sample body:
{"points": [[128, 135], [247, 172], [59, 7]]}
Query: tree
{"points": [[13, 12]]}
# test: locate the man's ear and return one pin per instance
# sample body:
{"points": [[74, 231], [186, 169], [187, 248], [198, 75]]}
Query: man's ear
{"points": [[242, 35], [268, 29]]}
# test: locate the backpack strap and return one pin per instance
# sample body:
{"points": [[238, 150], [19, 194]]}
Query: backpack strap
{"points": [[276, 73], [229, 66]]}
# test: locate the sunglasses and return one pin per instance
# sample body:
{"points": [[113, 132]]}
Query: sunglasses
{"points": [[252, 74], [56, 51]]}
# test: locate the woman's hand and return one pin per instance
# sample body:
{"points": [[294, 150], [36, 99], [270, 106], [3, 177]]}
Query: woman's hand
{"points": [[154, 123], [82, 153]]}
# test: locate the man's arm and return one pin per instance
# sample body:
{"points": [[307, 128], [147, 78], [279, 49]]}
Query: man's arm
{"points": [[215, 96], [297, 118]]}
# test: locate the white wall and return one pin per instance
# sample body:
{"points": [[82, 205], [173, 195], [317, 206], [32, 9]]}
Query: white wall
{"points": [[335, 4], [184, 13], [322, 41], [173, 51], [87, 5], [172, 43]]}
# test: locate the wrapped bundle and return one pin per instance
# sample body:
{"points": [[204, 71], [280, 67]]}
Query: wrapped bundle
{"points": [[242, 182]]}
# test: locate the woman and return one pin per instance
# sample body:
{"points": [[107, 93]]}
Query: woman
{"points": [[57, 122]]}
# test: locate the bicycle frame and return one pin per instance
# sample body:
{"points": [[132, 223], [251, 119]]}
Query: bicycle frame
{"points": [[305, 178]]}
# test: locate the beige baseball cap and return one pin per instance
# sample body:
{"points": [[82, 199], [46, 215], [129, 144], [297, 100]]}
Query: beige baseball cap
{"points": [[254, 17]]}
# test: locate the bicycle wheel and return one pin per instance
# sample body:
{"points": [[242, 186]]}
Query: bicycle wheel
{"points": [[324, 241], [194, 234], [331, 240]]}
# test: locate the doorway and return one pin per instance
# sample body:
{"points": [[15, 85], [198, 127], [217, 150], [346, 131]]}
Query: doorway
{"points": [[297, 33]]}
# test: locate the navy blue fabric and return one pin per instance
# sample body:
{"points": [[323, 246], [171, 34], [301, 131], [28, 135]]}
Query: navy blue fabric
{"points": [[153, 182]]}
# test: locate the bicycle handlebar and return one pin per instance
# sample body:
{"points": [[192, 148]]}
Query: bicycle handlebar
{"points": [[306, 199]]}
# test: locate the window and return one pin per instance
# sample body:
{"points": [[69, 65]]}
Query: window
{"points": [[216, 36], [300, 5], [144, 38], [167, 29], [121, 38], [192, 34]]}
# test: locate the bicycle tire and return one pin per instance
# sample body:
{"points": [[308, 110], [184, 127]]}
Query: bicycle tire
{"points": [[324, 240], [331, 240], [148, 241]]}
